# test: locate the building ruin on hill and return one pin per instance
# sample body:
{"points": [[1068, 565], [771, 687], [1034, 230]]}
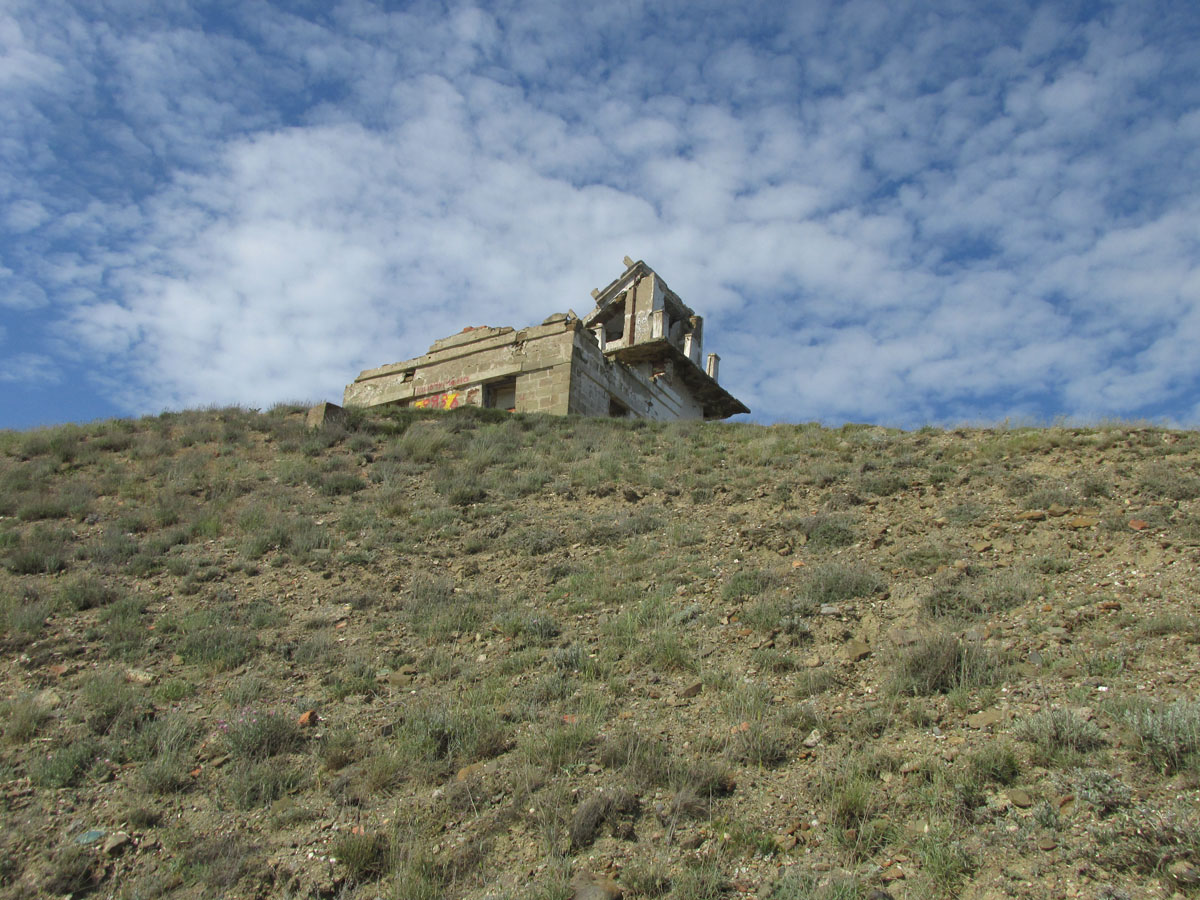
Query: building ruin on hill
{"points": [[637, 354]]}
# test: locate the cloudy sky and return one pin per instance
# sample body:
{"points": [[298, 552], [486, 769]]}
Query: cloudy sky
{"points": [[887, 211]]}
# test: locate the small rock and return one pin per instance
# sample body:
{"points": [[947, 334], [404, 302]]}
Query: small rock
{"points": [[1139, 524], [466, 773], [1057, 510], [308, 718], [1033, 515], [981, 546], [1047, 844], [813, 739], [813, 661], [1184, 873], [90, 837], [855, 650], [903, 637], [116, 844], [785, 842], [1020, 798], [692, 690], [1082, 522], [986, 718], [829, 609], [586, 886], [139, 676]]}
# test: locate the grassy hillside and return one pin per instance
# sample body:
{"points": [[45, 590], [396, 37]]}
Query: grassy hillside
{"points": [[473, 655]]}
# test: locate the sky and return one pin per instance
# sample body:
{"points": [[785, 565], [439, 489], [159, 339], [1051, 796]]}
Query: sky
{"points": [[901, 213]]}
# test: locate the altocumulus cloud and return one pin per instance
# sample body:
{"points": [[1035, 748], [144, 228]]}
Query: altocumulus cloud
{"points": [[901, 213]]}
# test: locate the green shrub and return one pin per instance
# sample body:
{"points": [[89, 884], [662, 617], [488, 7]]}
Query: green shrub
{"points": [[260, 734], [1059, 735], [939, 663], [1169, 482], [366, 857], [65, 767], [835, 582], [86, 592], [749, 583], [253, 783], [1169, 735]]}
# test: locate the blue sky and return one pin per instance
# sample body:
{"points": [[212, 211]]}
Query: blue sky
{"points": [[896, 212]]}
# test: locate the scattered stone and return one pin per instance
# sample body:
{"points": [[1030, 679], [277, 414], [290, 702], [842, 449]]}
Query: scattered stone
{"points": [[692, 690], [116, 844], [308, 718], [1020, 798], [1184, 873], [813, 661], [986, 718], [785, 842], [813, 739], [1032, 515], [691, 841], [1139, 524], [1082, 522], [981, 546], [1057, 510], [466, 773], [1047, 844], [587, 886], [829, 609], [90, 837], [856, 650], [1108, 604], [324, 413], [139, 676]]}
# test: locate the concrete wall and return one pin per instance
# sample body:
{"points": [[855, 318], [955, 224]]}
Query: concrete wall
{"points": [[454, 371], [597, 380]]}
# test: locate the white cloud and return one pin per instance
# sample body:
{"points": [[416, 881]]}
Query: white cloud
{"points": [[29, 368], [888, 213]]}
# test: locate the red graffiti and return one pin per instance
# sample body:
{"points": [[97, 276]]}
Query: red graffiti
{"points": [[448, 400]]}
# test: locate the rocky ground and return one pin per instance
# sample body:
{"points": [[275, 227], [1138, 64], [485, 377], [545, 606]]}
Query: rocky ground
{"points": [[522, 657]]}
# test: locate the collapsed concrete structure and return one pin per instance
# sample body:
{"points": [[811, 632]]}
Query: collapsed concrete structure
{"points": [[637, 354]]}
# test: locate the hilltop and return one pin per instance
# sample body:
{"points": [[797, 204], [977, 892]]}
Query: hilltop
{"points": [[412, 655]]}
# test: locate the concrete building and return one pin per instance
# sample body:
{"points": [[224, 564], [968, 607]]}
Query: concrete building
{"points": [[638, 354]]}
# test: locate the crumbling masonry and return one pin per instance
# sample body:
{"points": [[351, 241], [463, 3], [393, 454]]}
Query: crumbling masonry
{"points": [[637, 354]]}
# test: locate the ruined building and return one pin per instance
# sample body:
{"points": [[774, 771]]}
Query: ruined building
{"points": [[637, 354]]}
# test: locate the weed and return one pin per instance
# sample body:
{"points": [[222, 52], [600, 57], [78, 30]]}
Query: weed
{"points": [[1169, 482], [23, 716], [940, 663], [207, 640], [798, 883], [259, 734], [66, 767], [366, 857], [1148, 840], [1169, 736], [45, 552], [73, 873], [994, 763], [944, 860], [1059, 735], [746, 584], [835, 582], [827, 530], [86, 592], [1102, 791], [253, 783]]}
